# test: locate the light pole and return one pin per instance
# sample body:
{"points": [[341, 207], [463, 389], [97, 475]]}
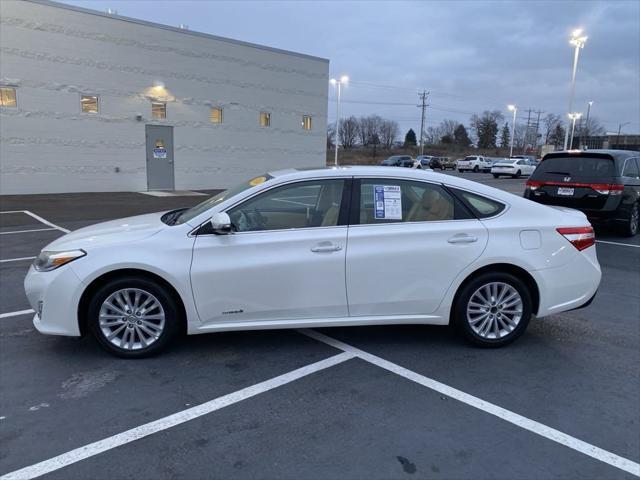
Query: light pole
{"points": [[586, 125], [578, 40], [344, 80], [574, 117], [514, 109]]}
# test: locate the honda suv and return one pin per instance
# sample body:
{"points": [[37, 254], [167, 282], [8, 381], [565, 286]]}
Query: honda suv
{"points": [[604, 184]]}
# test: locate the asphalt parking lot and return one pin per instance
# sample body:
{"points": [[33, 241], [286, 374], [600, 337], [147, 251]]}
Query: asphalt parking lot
{"points": [[371, 402]]}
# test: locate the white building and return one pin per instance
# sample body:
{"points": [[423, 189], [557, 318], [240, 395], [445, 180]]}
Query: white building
{"points": [[94, 101]]}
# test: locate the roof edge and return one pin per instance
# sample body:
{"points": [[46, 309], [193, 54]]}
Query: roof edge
{"points": [[50, 3]]}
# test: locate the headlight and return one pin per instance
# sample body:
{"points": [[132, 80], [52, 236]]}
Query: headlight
{"points": [[47, 261]]}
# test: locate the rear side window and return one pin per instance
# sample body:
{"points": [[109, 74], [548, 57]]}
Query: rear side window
{"points": [[631, 168], [578, 166], [482, 207]]}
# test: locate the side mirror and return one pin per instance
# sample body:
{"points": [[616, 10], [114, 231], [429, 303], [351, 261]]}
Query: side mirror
{"points": [[220, 223]]}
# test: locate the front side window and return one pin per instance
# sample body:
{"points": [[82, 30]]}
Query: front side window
{"points": [[299, 205], [631, 168], [392, 200], [8, 97], [158, 110], [306, 122], [215, 115], [265, 119], [89, 103]]}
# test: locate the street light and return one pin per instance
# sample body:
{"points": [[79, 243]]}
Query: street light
{"points": [[514, 109], [344, 80], [577, 40], [620, 127], [574, 117], [585, 137]]}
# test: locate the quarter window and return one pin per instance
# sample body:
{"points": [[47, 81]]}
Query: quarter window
{"points": [[392, 201], [89, 103], [158, 110], [306, 122], [215, 115], [265, 119], [299, 205], [631, 168], [8, 97], [482, 207]]}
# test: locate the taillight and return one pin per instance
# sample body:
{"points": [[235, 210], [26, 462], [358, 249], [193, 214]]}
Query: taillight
{"points": [[579, 237], [533, 185], [605, 189]]}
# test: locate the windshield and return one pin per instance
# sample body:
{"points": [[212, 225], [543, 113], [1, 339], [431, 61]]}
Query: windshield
{"points": [[219, 198], [578, 166], [469, 158]]}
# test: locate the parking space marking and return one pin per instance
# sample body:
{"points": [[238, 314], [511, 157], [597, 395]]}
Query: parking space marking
{"points": [[618, 243], [6, 260], [28, 231], [502, 413], [169, 421], [46, 222], [16, 314]]}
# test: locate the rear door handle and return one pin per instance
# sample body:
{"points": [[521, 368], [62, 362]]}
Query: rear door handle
{"points": [[324, 247], [463, 238]]}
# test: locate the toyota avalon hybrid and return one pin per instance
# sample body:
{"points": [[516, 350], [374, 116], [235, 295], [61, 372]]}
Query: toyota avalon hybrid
{"points": [[319, 248]]}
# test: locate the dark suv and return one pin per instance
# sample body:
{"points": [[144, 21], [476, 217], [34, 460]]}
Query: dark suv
{"points": [[604, 184]]}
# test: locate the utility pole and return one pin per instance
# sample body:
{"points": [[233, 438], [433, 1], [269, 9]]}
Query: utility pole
{"points": [[423, 105], [526, 133], [539, 112]]}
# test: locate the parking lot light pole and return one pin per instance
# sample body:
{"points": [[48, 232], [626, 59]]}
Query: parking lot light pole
{"points": [[342, 81], [514, 109], [578, 40], [573, 117], [585, 138]]}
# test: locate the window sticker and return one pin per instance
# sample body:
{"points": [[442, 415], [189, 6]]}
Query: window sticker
{"points": [[388, 202]]}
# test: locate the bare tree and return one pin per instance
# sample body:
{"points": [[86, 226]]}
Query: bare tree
{"points": [[348, 132], [389, 131], [448, 128], [550, 122], [331, 135]]}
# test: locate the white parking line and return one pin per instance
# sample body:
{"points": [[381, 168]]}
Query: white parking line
{"points": [[6, 260], [502, 413], [39, 218], [178, 418], [618, 243], [28, 231], [16, 314]]}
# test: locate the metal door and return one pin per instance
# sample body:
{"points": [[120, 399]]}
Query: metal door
{"points": [[159, 157]]}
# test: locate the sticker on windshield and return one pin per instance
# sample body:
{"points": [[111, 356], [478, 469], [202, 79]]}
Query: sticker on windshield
{"points": [[257, 181], [388, 202]]}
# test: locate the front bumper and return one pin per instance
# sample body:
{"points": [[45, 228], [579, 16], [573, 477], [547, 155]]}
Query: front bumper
{"points": [[59, 291]]}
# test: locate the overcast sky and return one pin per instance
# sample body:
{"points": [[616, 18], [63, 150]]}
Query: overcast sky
{"points": [[470, 55]]}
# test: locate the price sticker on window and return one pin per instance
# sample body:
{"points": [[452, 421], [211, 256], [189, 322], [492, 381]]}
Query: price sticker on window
{"points": [[387, 202]]}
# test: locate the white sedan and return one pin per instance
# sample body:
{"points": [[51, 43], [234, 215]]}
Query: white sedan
{"points": [[318, 248], [512, 167]]}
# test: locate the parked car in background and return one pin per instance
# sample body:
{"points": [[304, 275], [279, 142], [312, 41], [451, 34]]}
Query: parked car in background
{"points": [[604, 184], [398, 161], [423, 161], [448, 163], [423, 248], [474, 163], [513, 167]]}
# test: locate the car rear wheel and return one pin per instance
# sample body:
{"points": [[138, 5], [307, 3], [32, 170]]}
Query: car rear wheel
{"points": [[133, 317], [475, 169], [495, 175], [493, 309], [631, 226], [517, 175]]}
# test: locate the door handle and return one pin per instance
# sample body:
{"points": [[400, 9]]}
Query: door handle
{"points": [[325, 247], [463, 238]]}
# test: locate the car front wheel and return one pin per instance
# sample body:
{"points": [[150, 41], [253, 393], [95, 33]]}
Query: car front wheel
{"points": [[475, 169], [493, 309], [133, 317]]}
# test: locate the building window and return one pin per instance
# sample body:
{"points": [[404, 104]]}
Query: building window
{"points": [[265, 119], [158, 110], [306, 122], [215, 115], [8, 97], [89, 103]]}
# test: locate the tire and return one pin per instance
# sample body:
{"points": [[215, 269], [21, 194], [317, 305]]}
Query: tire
{"points": [[509, 326], [517, 175], [632, 225], [460, 171], [496, 176], [475, 169], [161, 320]]}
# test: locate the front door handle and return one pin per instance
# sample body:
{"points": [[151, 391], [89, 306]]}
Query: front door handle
{"points": [[463, 238], [324, 247]]}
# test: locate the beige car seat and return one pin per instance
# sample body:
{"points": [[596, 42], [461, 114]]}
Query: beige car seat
{"points": [[432, 206]]}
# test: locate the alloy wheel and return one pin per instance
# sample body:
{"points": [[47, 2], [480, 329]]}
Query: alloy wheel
{"points": [[131, 319], [494, 310]]}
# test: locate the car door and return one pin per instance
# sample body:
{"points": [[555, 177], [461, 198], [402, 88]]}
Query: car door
{"points": [[407, 242], [285, 260]]}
